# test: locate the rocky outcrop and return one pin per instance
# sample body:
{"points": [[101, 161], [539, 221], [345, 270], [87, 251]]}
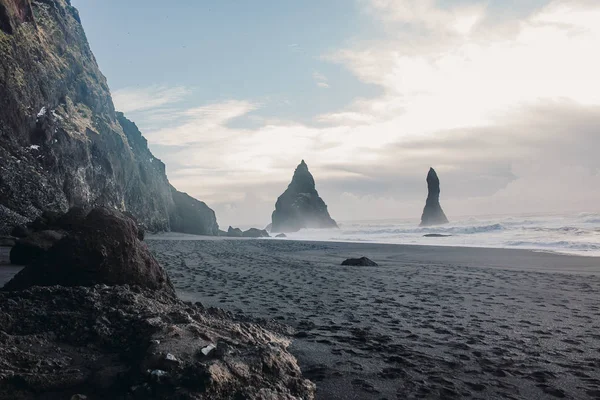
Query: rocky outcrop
{"points": [[255, 233], [189, 215], [61, 141], [234, 232], [360, 262], [433, 213], [97, 317], [102, 247], [300, 206], [122, 342], [32, 247]]}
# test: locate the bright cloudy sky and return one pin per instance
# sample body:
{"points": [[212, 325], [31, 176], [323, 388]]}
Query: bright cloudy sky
{"points": [[502, 97]]}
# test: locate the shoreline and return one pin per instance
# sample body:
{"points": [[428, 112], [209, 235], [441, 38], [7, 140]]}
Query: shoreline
{"points": [[579, 258], [439, 322]]}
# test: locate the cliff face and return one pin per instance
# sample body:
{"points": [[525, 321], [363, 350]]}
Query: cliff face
{"points": [[192, 216], [300, 205], [61, 141], [433, 213]]}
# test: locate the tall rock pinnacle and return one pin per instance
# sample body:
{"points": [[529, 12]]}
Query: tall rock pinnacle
{"points": [[300, 205], [433, 213]]}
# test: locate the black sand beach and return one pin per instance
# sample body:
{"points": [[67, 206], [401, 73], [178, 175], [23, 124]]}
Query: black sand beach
{"points": [[429, 322]]}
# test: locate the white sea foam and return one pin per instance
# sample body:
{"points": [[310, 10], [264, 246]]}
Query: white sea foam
{"points": [[570, 234]]}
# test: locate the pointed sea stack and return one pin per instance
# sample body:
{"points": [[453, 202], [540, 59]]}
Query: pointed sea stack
{"points": [[433, 213], [300, 205]]}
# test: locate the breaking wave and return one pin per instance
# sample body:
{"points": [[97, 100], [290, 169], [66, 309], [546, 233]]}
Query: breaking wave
{"points": [[578, 234]]}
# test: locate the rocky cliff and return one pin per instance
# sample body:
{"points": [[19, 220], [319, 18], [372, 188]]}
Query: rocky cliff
{"points": [[61, 141], [433, 213], [300, 205]]}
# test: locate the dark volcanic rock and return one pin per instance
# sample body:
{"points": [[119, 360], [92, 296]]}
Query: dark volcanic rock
{"points": [[126, 343], [255, 233], [360, 262], [72, 218], [433, 213], [281, 235], [9, 219], [436, 235], [61, 141], [192, 216], [103, 248], [32, 247], [300, 205], [234, 232], [64, 332]]}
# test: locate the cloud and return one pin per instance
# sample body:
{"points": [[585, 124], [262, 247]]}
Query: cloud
{"points": [[320, 80], [202, 125], [507, 112], [133, 99]]}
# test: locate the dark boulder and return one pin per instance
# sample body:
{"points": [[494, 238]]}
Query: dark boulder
{"points": [[34, 246], [103, 248], [300, 206], [234, 232], [433, 213], [436, 235], [255, 233], [281, 235], [140, 227], [360, 262], [72, 218]]}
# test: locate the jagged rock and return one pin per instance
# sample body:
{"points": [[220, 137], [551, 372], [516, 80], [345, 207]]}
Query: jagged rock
{"points": [[269, 227], [255, 233], [34, 246], [281, 235], [192, 216], [61, 141], [300, 206], [102, 248], [234, 232], [125, 342], [222, 233], [360, 262], [433, 213]]}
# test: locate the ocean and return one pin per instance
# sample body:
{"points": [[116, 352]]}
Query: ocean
{"points": [[577, 234]]}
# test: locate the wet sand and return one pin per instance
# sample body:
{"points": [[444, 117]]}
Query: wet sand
{"points": [[429, 322]]}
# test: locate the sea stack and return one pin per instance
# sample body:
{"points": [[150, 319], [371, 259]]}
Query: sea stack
{"points": [[433, 213], [300, 205]]}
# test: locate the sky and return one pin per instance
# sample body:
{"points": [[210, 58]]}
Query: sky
{"points": [[501, 97]]}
